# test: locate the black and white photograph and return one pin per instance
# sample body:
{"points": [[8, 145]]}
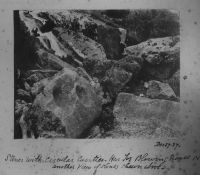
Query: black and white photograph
{"points": [[96, 74], [99, 87]]}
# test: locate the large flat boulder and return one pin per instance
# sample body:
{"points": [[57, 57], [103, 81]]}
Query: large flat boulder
{"points": [[66, 106], [152, 48], [143, 117], [161, 56]]}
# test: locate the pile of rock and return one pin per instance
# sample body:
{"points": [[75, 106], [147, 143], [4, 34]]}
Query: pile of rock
{"points": [[74, 85]]}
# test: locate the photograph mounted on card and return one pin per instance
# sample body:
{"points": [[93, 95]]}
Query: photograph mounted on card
{"points": [[99, 87]]}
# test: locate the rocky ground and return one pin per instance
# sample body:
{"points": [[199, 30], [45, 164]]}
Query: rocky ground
{"points": [[78, 75]]}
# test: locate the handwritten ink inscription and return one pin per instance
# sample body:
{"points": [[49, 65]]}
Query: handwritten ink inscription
{"points": [[168, 145], [140, 161]]}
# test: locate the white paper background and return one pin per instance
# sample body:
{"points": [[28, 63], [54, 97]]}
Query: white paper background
{"points": [[190, 91]]}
